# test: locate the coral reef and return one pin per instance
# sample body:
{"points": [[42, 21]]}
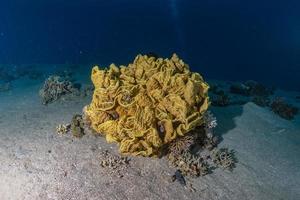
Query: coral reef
{"points": [[224, 158], [283, 109], [147, 104], [196, 154], [63, 128], [77, 126], [115, 164], [55, 87], [189, 164], [208, 139], [181, 144]]}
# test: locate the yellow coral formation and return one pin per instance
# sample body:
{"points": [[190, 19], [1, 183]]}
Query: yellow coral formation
{"points": [[146, 104]]}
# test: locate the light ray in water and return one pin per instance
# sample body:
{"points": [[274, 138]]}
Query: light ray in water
{"points": [[177, 23]]}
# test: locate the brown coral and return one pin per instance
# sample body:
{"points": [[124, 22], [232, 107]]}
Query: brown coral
{"points": [[153, 101]]}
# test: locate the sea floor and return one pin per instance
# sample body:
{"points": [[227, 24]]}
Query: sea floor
{"points": [[37, 163]]}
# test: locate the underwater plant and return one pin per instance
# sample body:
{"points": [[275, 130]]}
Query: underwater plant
{"points": [[147, 104]]}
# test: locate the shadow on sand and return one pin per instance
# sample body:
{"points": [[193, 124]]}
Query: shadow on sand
{"points": [[225, 118]]}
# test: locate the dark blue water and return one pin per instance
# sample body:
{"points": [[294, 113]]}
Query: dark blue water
{"points": [[229, 40]]}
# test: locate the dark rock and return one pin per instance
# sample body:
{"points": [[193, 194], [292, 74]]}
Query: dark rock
{"points": [[179, 177]]}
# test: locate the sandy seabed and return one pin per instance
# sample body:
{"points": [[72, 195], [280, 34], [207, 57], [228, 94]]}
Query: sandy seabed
{"points": [[36, 163]]}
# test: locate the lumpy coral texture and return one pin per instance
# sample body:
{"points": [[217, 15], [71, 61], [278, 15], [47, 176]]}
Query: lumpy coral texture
{"points": [[147, 104]]}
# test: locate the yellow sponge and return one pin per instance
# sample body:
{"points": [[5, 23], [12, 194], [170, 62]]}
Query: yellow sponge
{"points": [[147, 104]]}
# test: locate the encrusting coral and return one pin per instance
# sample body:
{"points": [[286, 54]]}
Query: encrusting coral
{"points": [[147, 104]]}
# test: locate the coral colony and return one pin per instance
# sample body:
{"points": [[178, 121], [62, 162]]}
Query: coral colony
{"points": [[147, 104], [157, 107], [153, 107]]}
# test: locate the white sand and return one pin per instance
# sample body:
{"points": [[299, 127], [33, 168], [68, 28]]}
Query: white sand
{"points": [[266, 146]]}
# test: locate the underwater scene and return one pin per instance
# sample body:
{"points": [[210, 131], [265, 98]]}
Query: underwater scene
{"points": [[149, 100]]}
